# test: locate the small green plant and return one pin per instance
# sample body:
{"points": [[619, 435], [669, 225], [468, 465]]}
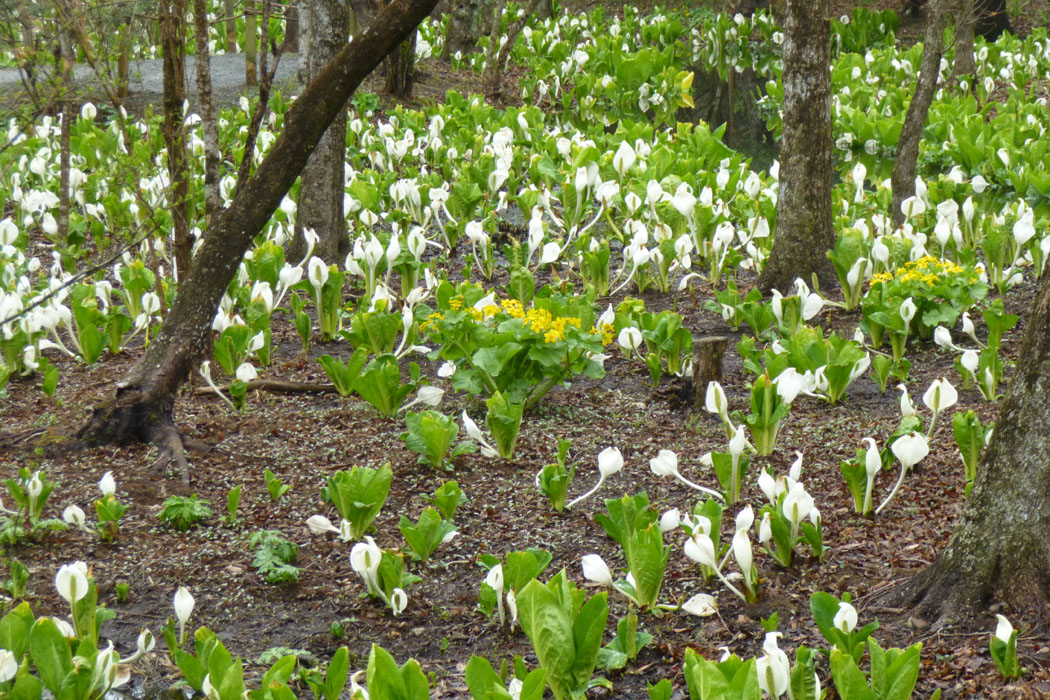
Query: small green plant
{"points": [[1004, 649], [336, 630], [122, 590], [970, 437], [275, 486], [233, 502], [484, 682], [359, 495], [182, 513], [625, 646], [447, 498], [566, 631], [554, 479], [427, 534], [18, 577], [432, 435], [513, 575], [108, 509], [635, 526], [29, 491], [344, 376], [837, 621], [330, 685], [274, 557]]}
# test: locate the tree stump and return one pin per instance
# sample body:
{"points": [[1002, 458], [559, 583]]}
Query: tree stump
{"points": [[707, 364]]}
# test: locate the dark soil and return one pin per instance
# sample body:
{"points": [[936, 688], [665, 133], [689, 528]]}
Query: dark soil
{"points": [[303, 440]]}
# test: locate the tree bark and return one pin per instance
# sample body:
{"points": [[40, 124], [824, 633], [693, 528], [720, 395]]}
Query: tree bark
{"points": [[401, 69], [143, 401], [496, 58], [999, 551], [324, 24], [804, 230], [905, 164], [965, 62], [468, 21], [212, 155], [291, 27], [229, 9], [173, 41], [251, 42], [67, 59]]}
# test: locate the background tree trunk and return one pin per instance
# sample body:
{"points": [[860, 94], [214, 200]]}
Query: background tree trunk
{"points": [[999, 551], [469, 20], [251, 42], [905, 164], [401, 69], [804, 232], [142, 405], [965, 62], [324, 24], [497, 58], [230, 9], [992, 18], [67, 60], [291, 27], [212, 155], [173, 42]]}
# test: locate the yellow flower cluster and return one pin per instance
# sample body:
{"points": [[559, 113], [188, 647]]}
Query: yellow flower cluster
{"points": [[927, 269], [608, 333], [431, 321], [513, 308], [482, 314]]}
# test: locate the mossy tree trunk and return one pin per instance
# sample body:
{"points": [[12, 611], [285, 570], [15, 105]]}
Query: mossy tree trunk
{"points": [[141, 407], [906, 162], [804, 232], [1000, 552]]}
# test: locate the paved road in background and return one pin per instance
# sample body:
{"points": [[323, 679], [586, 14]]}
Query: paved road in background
{"points": [[227, 76]]}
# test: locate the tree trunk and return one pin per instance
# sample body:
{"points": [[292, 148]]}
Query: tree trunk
{"points": [[965, 62], [401, 69], [67, 59], [251, 42], [999, 551], [230, 10], [496, 59], [173, 42], [123, 57], [468, 21], [142, 405], [212, 155], [291, 27], [904, 165], [804, 232], [325, 24], [992, 18]]}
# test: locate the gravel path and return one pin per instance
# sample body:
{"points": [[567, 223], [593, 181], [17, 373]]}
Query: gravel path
{"points": [[227, 75]]}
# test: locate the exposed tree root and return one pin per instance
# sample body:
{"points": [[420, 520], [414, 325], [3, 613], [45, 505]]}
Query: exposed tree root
{"points": [[132, 417], [275, 387], [948, 592]]}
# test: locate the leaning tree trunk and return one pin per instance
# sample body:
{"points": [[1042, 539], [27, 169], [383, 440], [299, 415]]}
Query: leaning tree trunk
{"points": [[173, 41], [324, 26], [804, 230], [905, 164], [143, 402], [999, 551]]}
